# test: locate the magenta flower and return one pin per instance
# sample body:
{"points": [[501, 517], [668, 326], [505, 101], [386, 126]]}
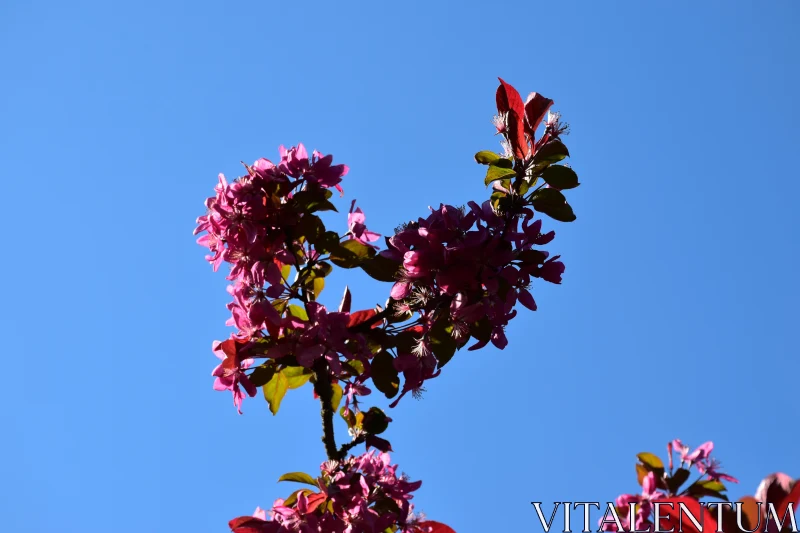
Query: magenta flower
{"points": [[700, 454], [357, 229], [710, 467]]}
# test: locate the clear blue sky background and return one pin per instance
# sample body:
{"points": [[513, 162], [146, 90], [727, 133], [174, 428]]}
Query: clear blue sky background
{"points": [[677, 317]]}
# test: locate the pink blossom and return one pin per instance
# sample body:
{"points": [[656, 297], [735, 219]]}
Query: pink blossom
{"points": [[701, 453], [356, 227]]}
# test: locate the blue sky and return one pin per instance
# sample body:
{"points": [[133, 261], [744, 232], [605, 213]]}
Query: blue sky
{"points": [[677, 316]]}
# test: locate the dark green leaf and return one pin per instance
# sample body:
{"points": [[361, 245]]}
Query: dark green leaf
{"points": [[553, 204], [351, 253], [443, 345], [698, 490], [384, 375], [497, 173], [262, 375], [552, 152], [481, 330], [375, 421], [310, 227], [327, 242], [678, 478], [381, 268], [405, 341], [299, 477], [320, 270], [560, 177], [312, 200]]}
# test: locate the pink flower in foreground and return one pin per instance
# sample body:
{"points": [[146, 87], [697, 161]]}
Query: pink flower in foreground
{"points": [[361, 494]]}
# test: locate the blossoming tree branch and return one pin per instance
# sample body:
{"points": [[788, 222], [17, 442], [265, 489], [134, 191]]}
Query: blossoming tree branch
{"points": [[455, 279]]}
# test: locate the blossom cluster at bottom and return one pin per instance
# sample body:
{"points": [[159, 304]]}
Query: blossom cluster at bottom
{"points": [[361, 494]]}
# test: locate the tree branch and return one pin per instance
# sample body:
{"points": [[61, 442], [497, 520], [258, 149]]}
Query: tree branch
{"points": [[350, 445], [324, 389]]}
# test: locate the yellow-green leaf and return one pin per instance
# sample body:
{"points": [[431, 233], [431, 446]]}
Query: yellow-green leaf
{"points": [[292, 499], [497, 173], [298, 312], [650, 460], [486, 157], [337, 396], [296, 376], [275, 390], [298, 477], [319, 284]]}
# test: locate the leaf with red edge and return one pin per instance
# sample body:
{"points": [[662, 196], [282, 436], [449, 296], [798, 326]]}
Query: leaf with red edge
{"points": [[674, 518], [359, 317], [509, 101], [429, 526], [535, 108]]}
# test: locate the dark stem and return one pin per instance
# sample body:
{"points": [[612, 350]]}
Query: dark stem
{"points": [[324, 389], [350, 445]]}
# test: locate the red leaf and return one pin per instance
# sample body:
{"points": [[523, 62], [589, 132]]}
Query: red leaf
{"points": [[535, 108], [251, 524], [232, 348], [359, 317], [314, 501], [429, 526], [509, 101], [674, 518]]}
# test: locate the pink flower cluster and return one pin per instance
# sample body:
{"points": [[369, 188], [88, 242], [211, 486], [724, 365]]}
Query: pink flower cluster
{"points": [[359, 495], [456, 274], [470, 266], [700, 459], [249, 223]]}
